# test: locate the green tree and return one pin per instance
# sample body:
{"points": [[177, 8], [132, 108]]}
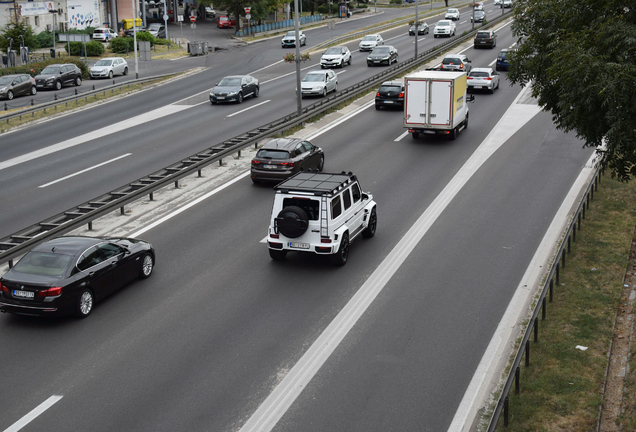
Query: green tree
{"points": [[580, 57], [15, 30]]}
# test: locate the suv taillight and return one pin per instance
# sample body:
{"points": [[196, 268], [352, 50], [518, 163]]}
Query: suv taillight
{"points": [[401, 94]]}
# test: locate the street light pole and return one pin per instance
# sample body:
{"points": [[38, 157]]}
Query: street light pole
{"points": [[299, 90], [417, 25], [472, 20], [135, 39]]}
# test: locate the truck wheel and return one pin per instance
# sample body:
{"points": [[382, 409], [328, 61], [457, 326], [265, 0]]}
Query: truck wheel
{"points": [[277, 255], [292, 221], [369, 231], [453, 135], [415, 135], [340, 257], [466, 122]]}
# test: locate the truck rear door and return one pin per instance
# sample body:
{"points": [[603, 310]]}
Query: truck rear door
{"points": [[441, 103], [416, 103]]}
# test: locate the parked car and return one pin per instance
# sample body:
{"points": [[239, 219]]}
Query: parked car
{"points": [[290, 39], [157, 30], [108, 67], [104, 33], [320, 213], [497, 2], [209, 12], [485, 38], [503, 59], [319, 83], [383, 55], [16, 85], [421, 29], [452, 14], [456, 63], [234, 89], [57, 75], [281, 158], [507, 3], [444, 28], [483, 79], [479, 16], [68, 275], [336, 56], [370, 41], [390, 94], [224, 21]]}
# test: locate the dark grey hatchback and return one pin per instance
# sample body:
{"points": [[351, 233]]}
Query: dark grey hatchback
{"points": [[390, 94], [280, 158]]}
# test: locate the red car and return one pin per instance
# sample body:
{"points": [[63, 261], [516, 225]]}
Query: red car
{"points": [[223, 21]]}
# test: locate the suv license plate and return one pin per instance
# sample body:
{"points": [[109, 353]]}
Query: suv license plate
{"points": [[24, 294], [299, 245]]}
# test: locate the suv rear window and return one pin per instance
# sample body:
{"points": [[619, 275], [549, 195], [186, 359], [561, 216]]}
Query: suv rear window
{"points": [[451, 60], [272, 154], [310, 206], [478, 74], [483, 35]]}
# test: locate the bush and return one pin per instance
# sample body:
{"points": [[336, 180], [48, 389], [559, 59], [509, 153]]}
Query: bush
{"points": [[93, 48], [44, 39], [146, 37], [323, 9], [87, 30], [122, 44], [162, 41], [35, 68], [396, 2]]}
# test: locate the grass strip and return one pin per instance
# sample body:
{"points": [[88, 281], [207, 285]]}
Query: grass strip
{"points": [[562, 388]]}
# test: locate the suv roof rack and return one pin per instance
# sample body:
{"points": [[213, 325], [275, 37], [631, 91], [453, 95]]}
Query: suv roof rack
{"points": [[316, 183]]}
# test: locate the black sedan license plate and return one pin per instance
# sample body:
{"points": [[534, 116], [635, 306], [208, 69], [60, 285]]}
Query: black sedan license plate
{"points": [[299, 245], [24, 294]]}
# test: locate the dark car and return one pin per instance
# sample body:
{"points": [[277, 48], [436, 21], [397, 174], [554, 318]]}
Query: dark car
{"points": [[68, 275], [57, 75], [280, 158], [16, 85], [421, 29], [130, 31], [485, 38], [385, 54], [503, 60], [391, 94], [480, 16], [234, 89]]}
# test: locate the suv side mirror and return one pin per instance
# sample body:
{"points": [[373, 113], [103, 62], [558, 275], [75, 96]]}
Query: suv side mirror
{"points": [[365, 196]]}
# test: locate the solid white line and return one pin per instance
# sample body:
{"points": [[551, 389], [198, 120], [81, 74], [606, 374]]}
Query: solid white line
{"points": [[248, 108], [401, 136], [463, 22], [394, 37], [85, 170], [96, 134], [15, 427], [341, 72], [288, 74], [492, 62], [297, 379]]}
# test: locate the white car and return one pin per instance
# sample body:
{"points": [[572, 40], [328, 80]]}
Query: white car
{"points": [[497, 2], [483, 79], [370, 41], [507, 3], [108, 67], [209, 12], [444, 28], [319, 83], [336, 56], [289, 39], [452, 14], [103, 34]]}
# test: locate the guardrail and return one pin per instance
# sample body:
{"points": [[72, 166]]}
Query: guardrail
{"points": [[76, 97], [21, 242], [548, 288]]}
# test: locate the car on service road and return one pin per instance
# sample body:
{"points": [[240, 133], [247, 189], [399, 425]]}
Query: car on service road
{"points": [[390, 94], [108, 67], [483, 79], [67, 275], [370, 41], [421, 29], [57, 75], [319, 83], [234, 88], [456, 63], [104, 34], [336, 56], [209, 12], [444, 28], [224, 21], [157, 30], [289, 40], [280, 158], [452, 14], [485, 38], [386, 54], [507, 3], [17, 85]]}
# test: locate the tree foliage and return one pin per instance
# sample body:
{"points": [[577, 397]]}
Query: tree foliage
{"points": [[13, 31], [580, 57], [260, 9]]}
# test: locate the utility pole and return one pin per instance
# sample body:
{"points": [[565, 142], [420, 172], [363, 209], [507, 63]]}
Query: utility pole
{"points": [[299, 91], [135, 39], [417, 27]]}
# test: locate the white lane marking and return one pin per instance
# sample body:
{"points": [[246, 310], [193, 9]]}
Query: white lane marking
{"points": [[269, 66], [420, 40], [249, 108], [341, 72], [85, 170], [401, 136], [492, 62], [188, 205], [96, 134], [394, 37], [287, 74], [463, 22], [297, 379], [15, 427], [498, 347]]}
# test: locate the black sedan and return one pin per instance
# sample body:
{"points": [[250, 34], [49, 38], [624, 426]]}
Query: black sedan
{"points": [[385, 54], [16, 85], [422, 29], [68, 275], [234, 89], [57, 75], [390, 94], [280, 158]]}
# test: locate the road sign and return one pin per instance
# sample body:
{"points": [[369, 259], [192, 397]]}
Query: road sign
{"points": [[166, 17], [193, 18], [193, 26], [247, 10], [180, 18], [248, 16]]}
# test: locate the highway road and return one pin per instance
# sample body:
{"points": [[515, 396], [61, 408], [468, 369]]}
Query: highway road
{"points": [[206, 341]]}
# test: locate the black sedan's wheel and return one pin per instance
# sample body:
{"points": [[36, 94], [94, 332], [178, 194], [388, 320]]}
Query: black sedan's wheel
{"points": [[340, 257], [256, 90], [240, 97], [85, 304], [369, 231], [10, 95], [78, 81], [277, 255], [147, 265], [321, 164], [34, 91], [58, 85]]}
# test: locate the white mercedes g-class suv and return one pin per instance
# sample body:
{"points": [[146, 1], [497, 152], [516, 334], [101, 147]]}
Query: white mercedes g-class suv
{"points": [[320, 213]]}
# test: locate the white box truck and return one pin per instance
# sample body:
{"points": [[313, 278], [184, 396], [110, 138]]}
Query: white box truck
{"points": [[435, 102]]}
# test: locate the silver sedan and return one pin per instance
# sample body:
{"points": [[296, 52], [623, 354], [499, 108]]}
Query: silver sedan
{"points": [[109, 66], [483, 79]]}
